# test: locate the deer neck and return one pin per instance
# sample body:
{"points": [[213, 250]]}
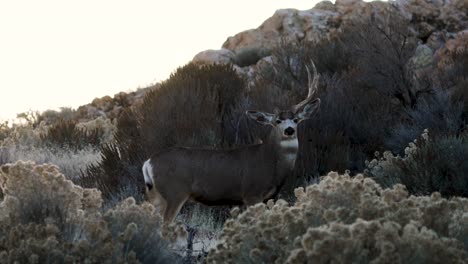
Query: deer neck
{"points": [[285, 150], [288, 149]]}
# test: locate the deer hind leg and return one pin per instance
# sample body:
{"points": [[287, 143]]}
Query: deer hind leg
{"points": [[155, 198], [173, 207]]}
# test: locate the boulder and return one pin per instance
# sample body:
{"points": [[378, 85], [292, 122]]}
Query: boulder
{"points": [[287, 24], [221, 56]]}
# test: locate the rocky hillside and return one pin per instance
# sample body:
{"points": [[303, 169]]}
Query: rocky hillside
{"points": [[440, 25], [110, 107]]}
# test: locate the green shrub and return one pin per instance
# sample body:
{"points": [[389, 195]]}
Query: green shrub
{"points": [[344, 219], [429, 165], [46, 218]]}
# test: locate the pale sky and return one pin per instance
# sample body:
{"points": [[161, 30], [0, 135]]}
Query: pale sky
{"points": [[63, 53]]}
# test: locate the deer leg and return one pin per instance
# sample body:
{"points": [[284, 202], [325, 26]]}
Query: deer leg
{"points": [[155, 198], [172, 209], [161, 205]]}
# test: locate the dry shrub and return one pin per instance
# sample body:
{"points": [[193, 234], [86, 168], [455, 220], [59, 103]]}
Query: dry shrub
{"points": [[352, 123], [66, 133], [58, 134], [55, 197], [70, 162], [196, 106], [118, 173], [429, 165], [113, 176], [114, 187], [46, 218], [105, 125], [381, 48], [439, 113], [30, 118], [453, 70], [24, 134], [53, 116], [344, 219], [5, 130]]}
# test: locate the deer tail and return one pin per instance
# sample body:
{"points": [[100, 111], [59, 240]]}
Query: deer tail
{"points": [[148, 174]]}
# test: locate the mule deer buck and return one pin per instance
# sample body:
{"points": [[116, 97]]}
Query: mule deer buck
{"points": [[245, 175]]}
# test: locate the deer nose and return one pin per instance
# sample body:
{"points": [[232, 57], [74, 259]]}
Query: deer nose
{"points": [[289, 131]]}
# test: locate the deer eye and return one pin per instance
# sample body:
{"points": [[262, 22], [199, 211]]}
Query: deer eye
{"points": [[296, 120], [278, 121]]}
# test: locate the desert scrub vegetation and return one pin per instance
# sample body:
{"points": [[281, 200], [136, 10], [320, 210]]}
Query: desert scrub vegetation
{"points": [[66, 134], [453, 72], [68, 144], [196, 106], [366, 88], [375, 94], [428, 165], [347, 219], [62, 134], [45, 218], [71, 162], [4, 130]]}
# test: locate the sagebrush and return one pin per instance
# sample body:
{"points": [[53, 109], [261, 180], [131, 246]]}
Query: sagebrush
{"points": [[46, 218], [430, 164], [344, 219]]}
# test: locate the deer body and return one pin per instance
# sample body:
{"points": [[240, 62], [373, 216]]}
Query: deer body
{"points": [[244, 175]]}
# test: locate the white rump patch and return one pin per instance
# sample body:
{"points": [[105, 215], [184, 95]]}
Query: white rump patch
{"points": [[148, 172], [290, 143]]}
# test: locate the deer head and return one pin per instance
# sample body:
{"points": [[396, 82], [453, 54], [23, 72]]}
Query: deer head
{"points": [[285, 123]]}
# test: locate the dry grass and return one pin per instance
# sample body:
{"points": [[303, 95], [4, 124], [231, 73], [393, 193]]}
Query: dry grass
{"points": [[71, 162]]}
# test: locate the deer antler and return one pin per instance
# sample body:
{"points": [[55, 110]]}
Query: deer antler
{"points": [[312, 88]]}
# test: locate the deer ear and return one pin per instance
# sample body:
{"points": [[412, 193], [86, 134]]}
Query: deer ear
{"points": [[309, 109], [261, 117]]}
